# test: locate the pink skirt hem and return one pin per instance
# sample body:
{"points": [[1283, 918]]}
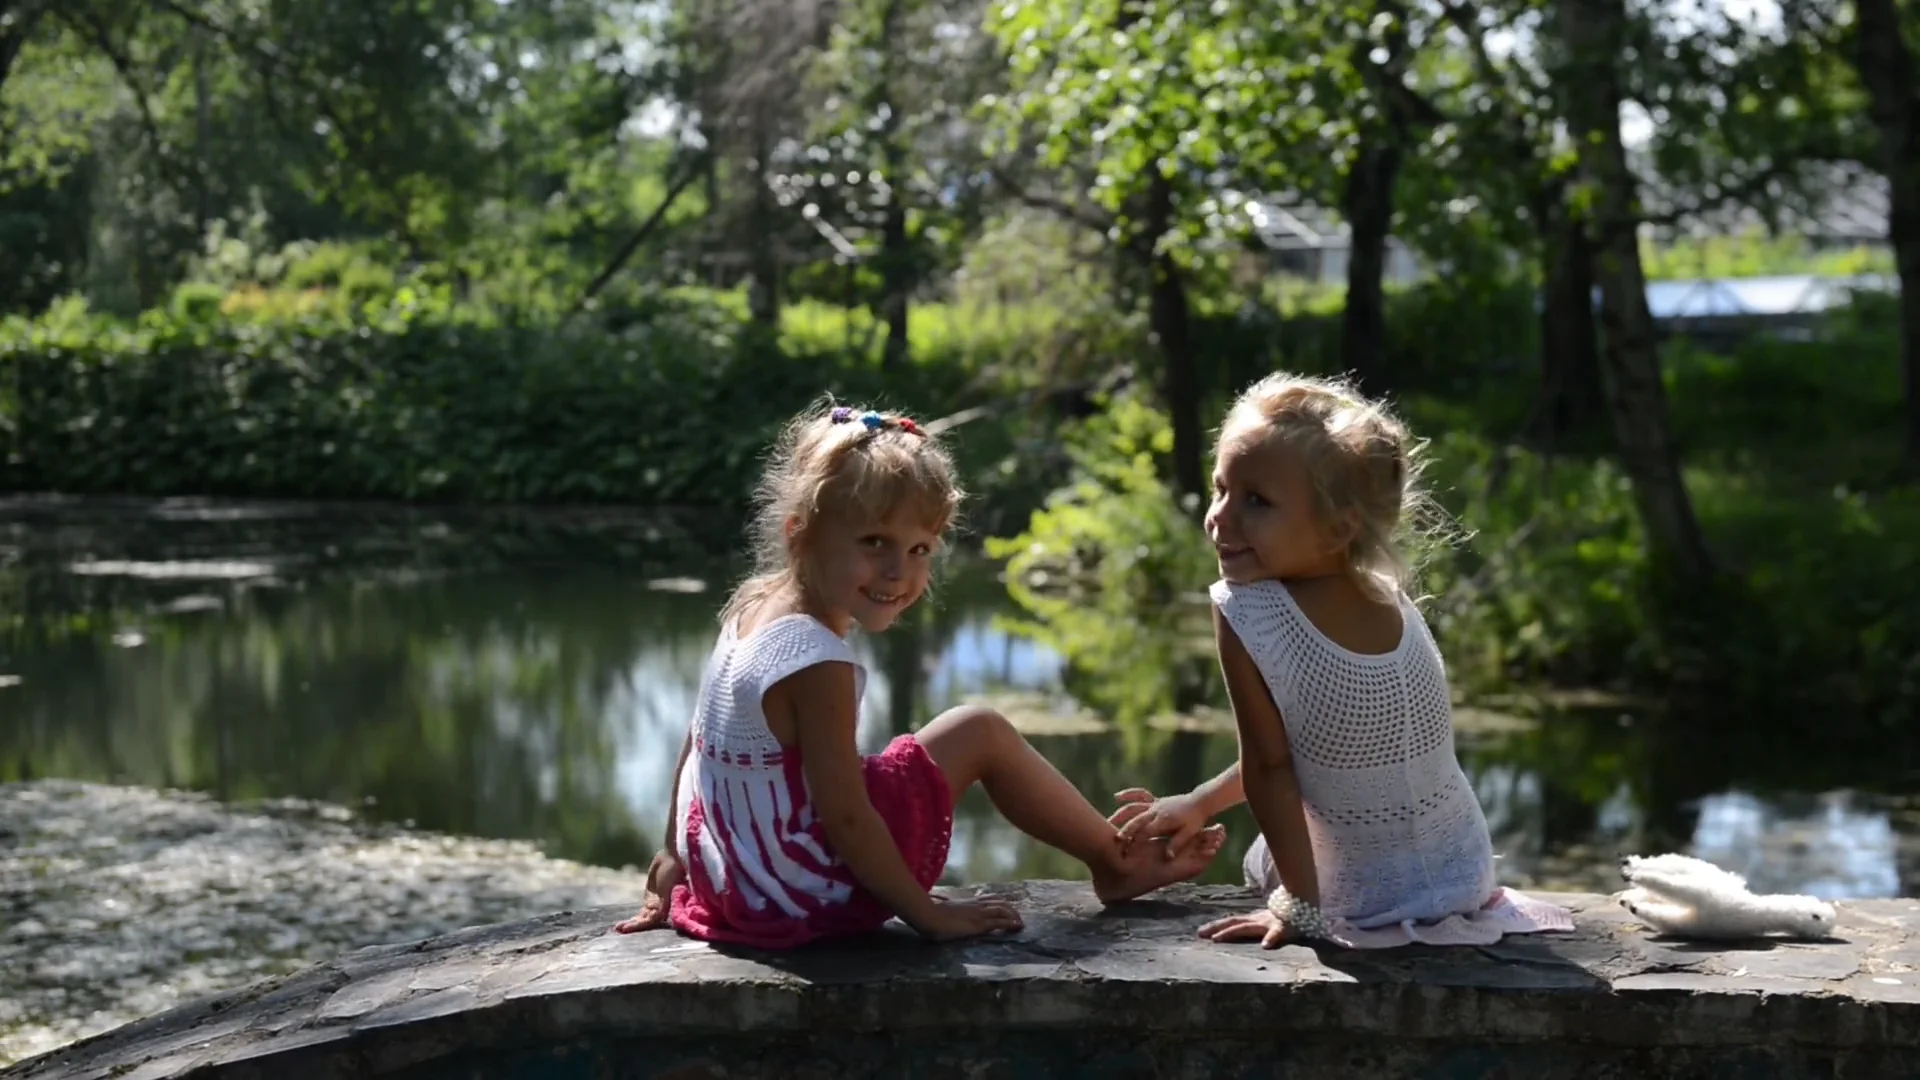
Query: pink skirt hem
{"points": [[1506, 912]]}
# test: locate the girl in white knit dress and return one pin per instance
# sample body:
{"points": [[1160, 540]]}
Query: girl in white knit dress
{"points": [[1369, 833]]}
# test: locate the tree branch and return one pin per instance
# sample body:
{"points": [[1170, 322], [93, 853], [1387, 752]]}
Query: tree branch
{"points": [[1746, 191], [275, 61], [1079, 215], [1406, 106], [689, 172], [101, 36], [1465, 17]]}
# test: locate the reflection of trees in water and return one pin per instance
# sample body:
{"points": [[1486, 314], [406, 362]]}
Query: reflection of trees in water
{"points": [[1563, 797], [426, 661], [529, 684], [902, 660], [1587, 781], [450, 677], [987, 848], [486, 705]]}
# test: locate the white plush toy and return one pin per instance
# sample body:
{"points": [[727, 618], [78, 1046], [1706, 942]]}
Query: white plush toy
{"points": [[1688, 897]]}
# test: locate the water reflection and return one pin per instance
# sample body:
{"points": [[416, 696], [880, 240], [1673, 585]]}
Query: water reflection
{"points": [[1829, 845], [530, 675]]}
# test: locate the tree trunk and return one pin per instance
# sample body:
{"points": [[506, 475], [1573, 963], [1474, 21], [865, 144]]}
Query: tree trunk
{"points": [[895, 285], [764, 261], [1368, 206], [1168, 317], [1570, 392], [1887, 71], [901, 653], [203, 134], [1636, 397], [896, 262]]}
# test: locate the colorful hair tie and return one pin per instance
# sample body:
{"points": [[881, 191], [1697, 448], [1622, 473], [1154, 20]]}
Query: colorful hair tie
{"points": [[874, 421]]}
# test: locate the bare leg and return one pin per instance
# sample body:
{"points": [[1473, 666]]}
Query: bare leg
{"points": [[975, 745]]}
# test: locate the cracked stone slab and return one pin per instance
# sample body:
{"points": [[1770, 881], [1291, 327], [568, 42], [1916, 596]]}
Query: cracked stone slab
{"points": [[1830, 963], [1128, 990]]}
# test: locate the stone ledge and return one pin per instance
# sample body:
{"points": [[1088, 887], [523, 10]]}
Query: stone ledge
{"points": [[561, 995]]}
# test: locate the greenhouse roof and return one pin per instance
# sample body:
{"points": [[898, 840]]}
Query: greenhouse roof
{"points": [[1723, 298]]}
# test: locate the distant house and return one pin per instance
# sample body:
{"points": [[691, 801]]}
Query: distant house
{"points": [[1789, 306], [1849, 210], [1312, 243]]}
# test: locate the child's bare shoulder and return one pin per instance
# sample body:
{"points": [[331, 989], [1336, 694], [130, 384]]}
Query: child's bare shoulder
{"points": [[1348, 617]]}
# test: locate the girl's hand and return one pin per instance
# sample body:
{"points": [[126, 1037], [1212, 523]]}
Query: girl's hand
{"points": [[665, 873], [1179, 818], [951, 920], [1262, 926]]}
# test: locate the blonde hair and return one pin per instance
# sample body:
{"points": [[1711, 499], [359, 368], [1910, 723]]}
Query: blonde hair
{"points": [[842, 462], [1361, 459]]}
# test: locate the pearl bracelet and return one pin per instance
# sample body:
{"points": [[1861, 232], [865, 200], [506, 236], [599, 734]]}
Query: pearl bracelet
{"points": [[1298, 916]]}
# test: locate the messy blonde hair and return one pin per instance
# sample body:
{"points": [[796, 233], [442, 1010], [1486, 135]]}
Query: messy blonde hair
{"points": [[847, 463], [1361, 459]]}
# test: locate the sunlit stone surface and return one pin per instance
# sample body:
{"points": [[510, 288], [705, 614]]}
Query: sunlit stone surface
{"points": [[116, 903], [1127, 993]]}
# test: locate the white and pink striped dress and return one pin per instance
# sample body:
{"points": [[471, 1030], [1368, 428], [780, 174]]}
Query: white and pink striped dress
{"points": [[759, 868]]}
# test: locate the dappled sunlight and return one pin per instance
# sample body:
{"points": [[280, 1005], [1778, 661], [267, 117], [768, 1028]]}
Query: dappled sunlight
{"points": [[173, 571], [377, 425], [124, 902]]}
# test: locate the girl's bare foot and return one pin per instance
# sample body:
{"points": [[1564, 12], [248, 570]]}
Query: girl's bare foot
{"points": [[1144, 867]]}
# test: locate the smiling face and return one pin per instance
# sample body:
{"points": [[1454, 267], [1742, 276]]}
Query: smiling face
{"points": [[868, 574], [1264, 521]]}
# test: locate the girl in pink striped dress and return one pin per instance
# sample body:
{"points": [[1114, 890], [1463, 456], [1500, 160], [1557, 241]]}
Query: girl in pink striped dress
{"points": [[780, 833]]}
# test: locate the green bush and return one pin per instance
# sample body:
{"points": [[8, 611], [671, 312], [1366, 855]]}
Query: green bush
{"points": [[1464, 342], [1548, 581], [411, 405], [1552, 584], [368, 385], [1108, 571]]}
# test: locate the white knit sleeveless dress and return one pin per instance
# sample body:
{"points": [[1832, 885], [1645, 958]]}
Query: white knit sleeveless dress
{"points": [[1400, 845]]}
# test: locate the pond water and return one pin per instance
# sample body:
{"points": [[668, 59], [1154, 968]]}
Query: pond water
{"points": [[528, 675]]}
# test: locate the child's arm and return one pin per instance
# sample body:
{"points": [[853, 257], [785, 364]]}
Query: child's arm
{"points": [[825, 707], [667, 870], [1179, 818], [1222, 793], [1266, 763], [671, 842]]}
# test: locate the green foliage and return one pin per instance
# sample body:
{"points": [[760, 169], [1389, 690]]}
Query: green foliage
{"points": [[1108, 569], [896, 81], [1750, 255], [43, 237], [1265, 95], [1553, 584], [453, 127], [409, 401]]}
